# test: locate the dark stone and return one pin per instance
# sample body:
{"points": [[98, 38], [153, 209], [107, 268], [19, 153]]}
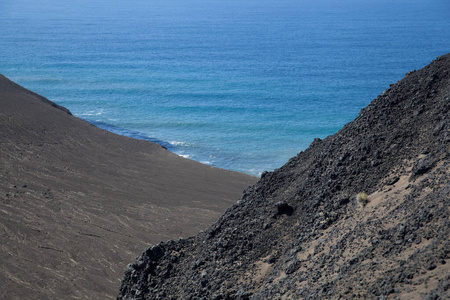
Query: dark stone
{"points": [[292, 266], [344, 201], [393, 180], [284, 209], [422, 166]]}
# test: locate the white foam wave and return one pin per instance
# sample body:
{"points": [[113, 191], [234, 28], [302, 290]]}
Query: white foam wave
{"points": [[92, 113], [176, 143]]}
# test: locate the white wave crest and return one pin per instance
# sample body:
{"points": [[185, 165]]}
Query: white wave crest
{"points": [[92, 113], [176, 143]]}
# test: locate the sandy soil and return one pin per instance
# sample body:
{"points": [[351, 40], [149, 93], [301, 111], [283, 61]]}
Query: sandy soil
{"points": [[78, 203]]}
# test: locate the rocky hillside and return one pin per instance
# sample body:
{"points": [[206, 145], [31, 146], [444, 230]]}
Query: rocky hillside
{"points": [[300, 232]]}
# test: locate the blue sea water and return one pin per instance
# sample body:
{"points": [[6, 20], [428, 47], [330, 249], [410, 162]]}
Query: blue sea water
{"points": [[240, 84]]}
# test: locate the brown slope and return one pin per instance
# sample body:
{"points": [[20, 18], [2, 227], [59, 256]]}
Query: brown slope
{"points": [[298, 233], [77, 202]]}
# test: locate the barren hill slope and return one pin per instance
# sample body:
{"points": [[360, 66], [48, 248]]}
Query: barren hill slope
{"points": [[77, 202], [298, 233]]}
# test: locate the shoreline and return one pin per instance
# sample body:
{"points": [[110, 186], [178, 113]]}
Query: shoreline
{"points": [[173, 147]]}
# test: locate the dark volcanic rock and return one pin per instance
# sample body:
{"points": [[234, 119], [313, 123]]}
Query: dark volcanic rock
{"points": [[423, 165], [298, 232]]}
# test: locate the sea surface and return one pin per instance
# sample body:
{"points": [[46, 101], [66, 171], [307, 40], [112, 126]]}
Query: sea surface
{"points": [[238, 84]]}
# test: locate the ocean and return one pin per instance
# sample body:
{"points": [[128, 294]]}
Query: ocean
{"points": [[242, 84]]}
